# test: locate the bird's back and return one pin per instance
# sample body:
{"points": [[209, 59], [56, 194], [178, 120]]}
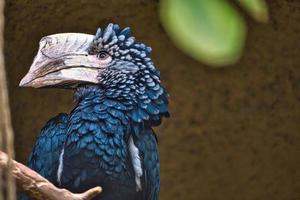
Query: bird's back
{"points": [[44, 157]]}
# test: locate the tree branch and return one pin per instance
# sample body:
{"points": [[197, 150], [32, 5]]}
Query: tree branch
{"points": [[6, 130], [38, 187]]}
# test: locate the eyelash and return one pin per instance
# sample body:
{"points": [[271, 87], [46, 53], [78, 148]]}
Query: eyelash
{"points": [[102, 55]]}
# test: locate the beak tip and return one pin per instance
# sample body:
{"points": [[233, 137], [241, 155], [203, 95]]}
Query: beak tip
{"points": [[24, 82], [21, 84]]}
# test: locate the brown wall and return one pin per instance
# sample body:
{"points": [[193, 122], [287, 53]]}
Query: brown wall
{"points": [[234, 132]]}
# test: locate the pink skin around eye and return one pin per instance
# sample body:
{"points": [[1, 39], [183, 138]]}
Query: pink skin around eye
{"points": [[93, 58], [99, 62]]}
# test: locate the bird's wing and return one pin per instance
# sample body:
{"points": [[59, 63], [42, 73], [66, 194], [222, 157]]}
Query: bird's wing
{"points": [[150, 181], [44, 157]]}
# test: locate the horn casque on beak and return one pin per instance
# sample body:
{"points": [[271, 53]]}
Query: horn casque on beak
{"points": [[63, 59]]}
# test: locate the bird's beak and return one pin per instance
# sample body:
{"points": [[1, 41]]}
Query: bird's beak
{"points": [[62, 59]]}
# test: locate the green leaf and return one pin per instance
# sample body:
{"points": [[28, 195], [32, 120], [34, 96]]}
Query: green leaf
{"points": [[210, 31], [257, 8]]}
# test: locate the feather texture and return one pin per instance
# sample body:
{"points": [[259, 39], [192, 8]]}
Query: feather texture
{"points": [[107, 139]]}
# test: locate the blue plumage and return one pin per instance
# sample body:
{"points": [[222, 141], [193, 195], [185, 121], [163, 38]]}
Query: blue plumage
{"points": [[45, 154], [107, 139]]}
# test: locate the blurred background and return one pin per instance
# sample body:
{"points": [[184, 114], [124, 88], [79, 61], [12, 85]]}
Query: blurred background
{"points": [[234, 129]]}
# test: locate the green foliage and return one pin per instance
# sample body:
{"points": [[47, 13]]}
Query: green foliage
{"points": [[211, 31], [257, 8]]}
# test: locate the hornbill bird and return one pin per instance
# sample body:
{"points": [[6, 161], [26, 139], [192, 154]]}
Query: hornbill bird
{"points": [[107, 140]]}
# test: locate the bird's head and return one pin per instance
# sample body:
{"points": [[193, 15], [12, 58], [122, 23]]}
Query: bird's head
{"points": [[111, 57], [111, 60]]}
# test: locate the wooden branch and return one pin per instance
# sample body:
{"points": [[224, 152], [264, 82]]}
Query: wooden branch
{"points": [[6, 130], [38, 187]]}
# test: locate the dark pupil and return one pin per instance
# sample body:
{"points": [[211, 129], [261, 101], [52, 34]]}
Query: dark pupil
{"points": [[102, 55]]}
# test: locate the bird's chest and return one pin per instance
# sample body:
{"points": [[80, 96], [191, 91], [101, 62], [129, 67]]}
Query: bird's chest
{"points": [[96, 151]]}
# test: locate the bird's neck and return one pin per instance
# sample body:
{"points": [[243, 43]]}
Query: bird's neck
{"points": [[87, 91], [101, 94], [147, 107]]}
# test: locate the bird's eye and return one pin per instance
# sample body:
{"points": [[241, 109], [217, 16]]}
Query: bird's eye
{"points": [[103, 55]]}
